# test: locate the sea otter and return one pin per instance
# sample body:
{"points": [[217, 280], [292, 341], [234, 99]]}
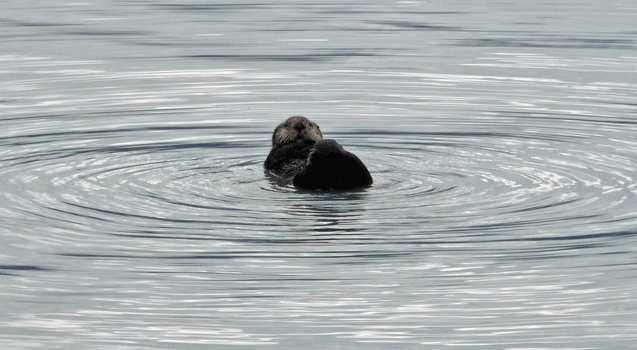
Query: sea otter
{"points": [[299, 153]]}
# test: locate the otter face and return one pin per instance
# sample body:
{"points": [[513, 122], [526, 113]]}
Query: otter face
{"points": [[296, 129]]}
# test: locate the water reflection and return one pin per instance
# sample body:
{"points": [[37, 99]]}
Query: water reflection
{"points": [[334, 213]]}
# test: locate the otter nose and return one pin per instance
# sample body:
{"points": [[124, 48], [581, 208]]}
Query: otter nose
{"points": [[299, 126]]}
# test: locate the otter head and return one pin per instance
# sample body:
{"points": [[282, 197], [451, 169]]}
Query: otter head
{"points": [[296, 129]]}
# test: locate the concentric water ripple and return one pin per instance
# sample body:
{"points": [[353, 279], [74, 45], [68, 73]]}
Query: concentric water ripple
{"points": [[494, 182], [426, 183], [131, 187]]}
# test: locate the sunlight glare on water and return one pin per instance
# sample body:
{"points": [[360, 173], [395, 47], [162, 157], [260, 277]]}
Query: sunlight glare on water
{"points": [[136, 213]]}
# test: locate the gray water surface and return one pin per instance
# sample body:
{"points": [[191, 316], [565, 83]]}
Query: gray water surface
{"points": [[135, 212]]}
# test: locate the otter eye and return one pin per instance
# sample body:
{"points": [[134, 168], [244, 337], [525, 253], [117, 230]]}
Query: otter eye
{"points": [[285, 125]]}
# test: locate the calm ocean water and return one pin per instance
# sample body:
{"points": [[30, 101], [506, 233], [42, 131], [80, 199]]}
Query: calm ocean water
{"points": [[135, 212]]}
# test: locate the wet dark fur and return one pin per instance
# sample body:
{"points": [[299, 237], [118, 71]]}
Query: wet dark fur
{"points": [[289, 159], [300, 155], [330, 167]]}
